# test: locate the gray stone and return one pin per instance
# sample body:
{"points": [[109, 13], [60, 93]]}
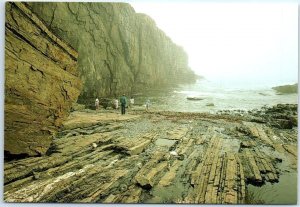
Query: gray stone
{"points": [[120, 51]]}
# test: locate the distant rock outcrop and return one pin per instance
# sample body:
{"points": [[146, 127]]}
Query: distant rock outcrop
{"points": [[120, 51], [285, 89], [41, 82]]}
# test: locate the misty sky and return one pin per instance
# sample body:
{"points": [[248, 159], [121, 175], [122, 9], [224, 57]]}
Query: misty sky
{"points": [[239, 43]]}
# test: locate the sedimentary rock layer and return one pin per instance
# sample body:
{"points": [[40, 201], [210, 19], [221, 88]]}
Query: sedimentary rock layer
{"points": [[119, 50], [41, 82], [153, 158]]}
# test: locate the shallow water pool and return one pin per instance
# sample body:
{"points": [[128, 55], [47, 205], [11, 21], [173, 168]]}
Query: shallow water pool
{"points": [[283, 192]]}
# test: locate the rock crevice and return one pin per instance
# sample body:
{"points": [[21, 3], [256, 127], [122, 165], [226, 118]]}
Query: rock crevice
{"points": [[41, 82], [120, 51], [137, 159]]}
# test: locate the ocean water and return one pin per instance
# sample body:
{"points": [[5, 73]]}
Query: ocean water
{"points": [[230, 97], [221, 96]]}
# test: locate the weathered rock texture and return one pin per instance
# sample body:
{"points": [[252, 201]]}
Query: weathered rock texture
{"points": [[41, 82], [108, 158], [119, 50]]}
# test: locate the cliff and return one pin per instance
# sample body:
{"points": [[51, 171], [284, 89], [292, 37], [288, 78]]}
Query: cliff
{"points": [[120, 51], [41, 82]]}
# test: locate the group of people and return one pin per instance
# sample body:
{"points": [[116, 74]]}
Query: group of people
{"points": [[116, 102], [123, 102]]}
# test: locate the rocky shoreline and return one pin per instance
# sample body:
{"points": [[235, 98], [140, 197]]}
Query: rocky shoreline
{"points": [[286, 89], [158, 157]]}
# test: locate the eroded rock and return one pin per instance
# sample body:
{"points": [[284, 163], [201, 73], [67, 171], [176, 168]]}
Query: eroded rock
{"points": [[219, 162], [41, 82], [120, 50]]}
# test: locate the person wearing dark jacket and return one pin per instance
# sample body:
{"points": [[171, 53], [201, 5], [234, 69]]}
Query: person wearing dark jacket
{"points": [[123, 103]]}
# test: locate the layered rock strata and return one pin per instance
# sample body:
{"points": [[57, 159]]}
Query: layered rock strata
{"points": [[154, 158], [41, 82], [120, 51]]}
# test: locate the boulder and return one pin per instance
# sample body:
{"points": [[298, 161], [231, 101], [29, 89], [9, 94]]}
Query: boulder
{"points": [[77, 107], [41, 82], [283, 124]]}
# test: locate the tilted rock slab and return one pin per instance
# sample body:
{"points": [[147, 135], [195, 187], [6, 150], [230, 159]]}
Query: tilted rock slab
{"points": [[215, 170], [41, 82]]}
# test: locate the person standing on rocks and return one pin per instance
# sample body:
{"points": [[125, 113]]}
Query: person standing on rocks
{"points": [[147, 104], [116, 103], [131, 102], [97, 104], [123, 104]]}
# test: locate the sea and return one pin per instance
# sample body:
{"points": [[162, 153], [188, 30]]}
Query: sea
{"points": [[215, 96]]}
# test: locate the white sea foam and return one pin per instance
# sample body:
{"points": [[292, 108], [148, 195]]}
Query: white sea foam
{"points": [[223, 97]]}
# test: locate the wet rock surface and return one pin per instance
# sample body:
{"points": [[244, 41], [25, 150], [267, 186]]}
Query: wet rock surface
{"points": [[156, 157]]}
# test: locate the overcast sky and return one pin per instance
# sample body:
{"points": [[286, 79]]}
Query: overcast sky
{"points": [[234, 42]]}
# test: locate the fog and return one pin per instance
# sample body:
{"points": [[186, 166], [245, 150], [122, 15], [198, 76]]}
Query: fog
{"points": [[233, 43]]}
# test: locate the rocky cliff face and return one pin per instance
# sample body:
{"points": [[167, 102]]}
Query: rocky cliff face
{"points": [[120, 51], [41, 82]]}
